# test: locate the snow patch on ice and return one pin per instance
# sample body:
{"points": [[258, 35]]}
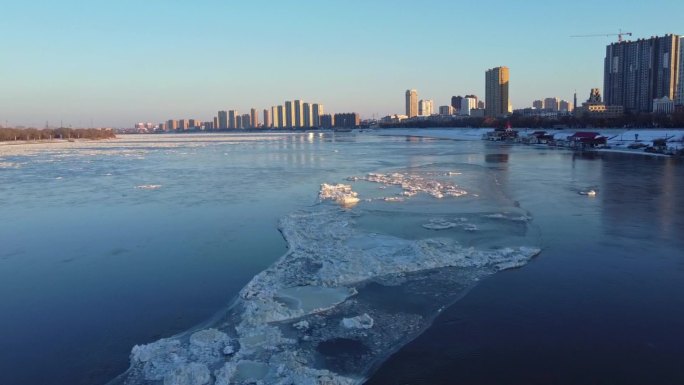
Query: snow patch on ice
{"points": [[412, 184], [364, 321], [509, 217]]}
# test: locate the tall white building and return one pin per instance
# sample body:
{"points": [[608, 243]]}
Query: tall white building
{"points": [[426, 107], [467, 104]]}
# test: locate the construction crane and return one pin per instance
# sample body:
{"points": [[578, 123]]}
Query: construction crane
{"points": [[619, 35]]}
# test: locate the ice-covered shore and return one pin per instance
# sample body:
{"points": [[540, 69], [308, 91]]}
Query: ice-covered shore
{"points": [[314, 316]]}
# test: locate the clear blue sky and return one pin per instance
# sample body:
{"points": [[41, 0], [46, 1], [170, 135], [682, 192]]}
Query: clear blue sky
{"points": [[119, 62]]}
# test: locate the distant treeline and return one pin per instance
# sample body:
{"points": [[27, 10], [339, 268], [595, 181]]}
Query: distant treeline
{"points": [[643, 120], [10, 134]]}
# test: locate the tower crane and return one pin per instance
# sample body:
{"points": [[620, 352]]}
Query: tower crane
{"points": [[619, 35]]}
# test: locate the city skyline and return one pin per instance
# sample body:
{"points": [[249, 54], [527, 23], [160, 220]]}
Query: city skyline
{"points": [[115, 64]]}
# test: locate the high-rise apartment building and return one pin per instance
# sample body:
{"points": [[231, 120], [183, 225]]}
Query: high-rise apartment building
{"points": [[222, 120], [267, 118], [281, 116], [172, 125], [538, 104], [246, 121], [275, 117], [636, 72], [496, 92], [233, 119], [253, 118], [456, 103], [316, 112], [289, 114], [306, 119], [298, 113], [411, 103]]}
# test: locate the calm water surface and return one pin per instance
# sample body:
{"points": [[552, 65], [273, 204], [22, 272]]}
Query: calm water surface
{"points": [[90, 265]]}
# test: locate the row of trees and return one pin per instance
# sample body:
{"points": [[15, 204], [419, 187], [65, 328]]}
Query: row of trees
{"points": [[11, 134], [627, 120]]}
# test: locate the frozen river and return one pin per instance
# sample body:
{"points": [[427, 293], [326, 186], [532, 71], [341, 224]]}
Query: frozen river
{"points": [[108, 245]]}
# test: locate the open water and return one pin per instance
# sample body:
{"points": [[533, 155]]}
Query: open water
{"points": [[106, 246]]}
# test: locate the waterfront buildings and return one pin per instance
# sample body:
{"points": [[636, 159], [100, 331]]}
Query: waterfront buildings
{"points": [[274, 117], [496, 92], [538, 104], [637, 72], [411, 103]]}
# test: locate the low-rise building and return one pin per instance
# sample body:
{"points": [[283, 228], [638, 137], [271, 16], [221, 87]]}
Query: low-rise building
{"points": [[663, 105]]}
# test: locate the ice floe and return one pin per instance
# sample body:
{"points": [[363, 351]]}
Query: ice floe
{"points": [[148, 187], [515, 217], [311, 317], [341, 194], [9, 165]]}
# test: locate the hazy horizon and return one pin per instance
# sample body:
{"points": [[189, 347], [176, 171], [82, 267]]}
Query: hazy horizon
{"points": [[115, 64]]}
